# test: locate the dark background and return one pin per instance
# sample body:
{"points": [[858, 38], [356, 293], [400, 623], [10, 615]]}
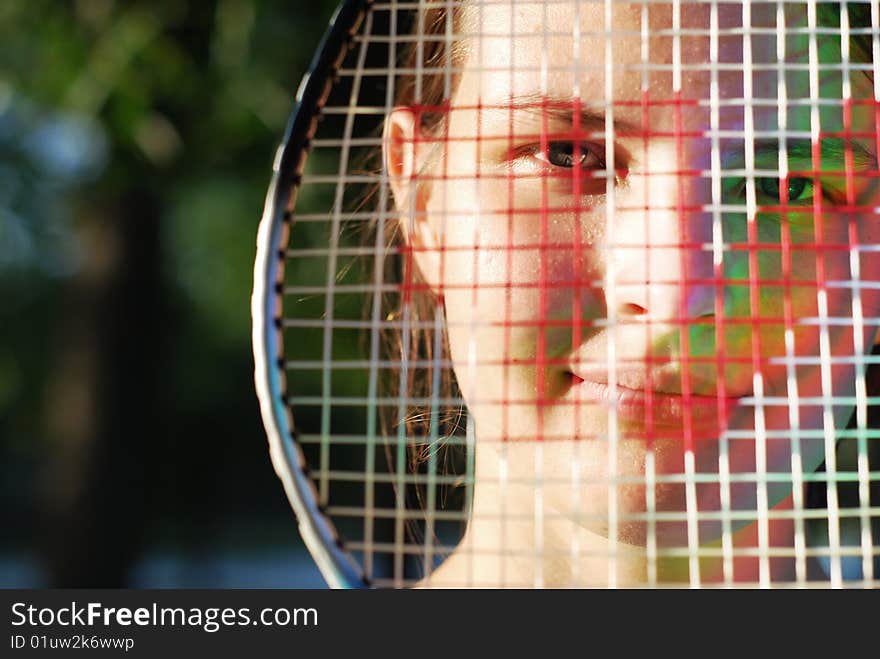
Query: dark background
{"points": [[136, 141]]}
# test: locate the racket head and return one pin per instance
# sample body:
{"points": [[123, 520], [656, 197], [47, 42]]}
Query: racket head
{"points": [[277, 232]]}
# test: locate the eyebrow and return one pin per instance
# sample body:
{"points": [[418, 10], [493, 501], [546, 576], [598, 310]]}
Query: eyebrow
{"points": [[559, 110], [831, 149]]}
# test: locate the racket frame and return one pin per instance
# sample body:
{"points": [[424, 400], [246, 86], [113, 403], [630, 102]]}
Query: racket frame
{"points": [[338, 567]]}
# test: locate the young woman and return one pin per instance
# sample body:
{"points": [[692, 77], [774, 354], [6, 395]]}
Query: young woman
{"points": [[649, 229]]}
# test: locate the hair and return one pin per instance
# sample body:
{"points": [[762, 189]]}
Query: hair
{"points": [[426, 95], [429, 97]]}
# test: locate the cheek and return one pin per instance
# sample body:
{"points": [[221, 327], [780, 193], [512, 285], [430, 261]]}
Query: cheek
{"points": [[503, 262], [489, 282], [800, 280], [827, 276], [496, 300]]}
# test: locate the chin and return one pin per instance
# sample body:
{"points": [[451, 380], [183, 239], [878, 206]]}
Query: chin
{"points": [[638, 526]]}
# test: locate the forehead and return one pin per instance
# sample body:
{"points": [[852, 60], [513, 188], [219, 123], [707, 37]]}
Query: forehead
{"points": [[623, 52]]}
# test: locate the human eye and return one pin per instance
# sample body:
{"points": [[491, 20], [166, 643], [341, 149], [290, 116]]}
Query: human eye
{"points": [[569, 155], [560, 156], [571, 166], [773, 193], [799, 190]]}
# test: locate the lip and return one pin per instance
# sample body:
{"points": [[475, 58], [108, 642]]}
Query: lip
{"points": [[658, 414]]}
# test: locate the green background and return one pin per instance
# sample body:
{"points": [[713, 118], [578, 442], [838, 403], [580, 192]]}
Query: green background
{"points": [[136, 141]]}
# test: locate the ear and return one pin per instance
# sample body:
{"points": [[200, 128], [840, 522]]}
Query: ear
{"points": [[406, 157]]}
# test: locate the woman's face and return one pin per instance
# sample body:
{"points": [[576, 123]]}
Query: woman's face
{"points": [[670, 273]]}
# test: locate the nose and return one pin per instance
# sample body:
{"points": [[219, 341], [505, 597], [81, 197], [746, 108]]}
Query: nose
{"points": [[660, 248]]}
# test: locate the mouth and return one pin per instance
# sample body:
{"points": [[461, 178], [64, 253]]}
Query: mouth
{"points": [[656, 413]]}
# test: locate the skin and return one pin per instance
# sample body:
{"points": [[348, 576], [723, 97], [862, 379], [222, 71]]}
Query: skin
{"points": [[602, 274]]}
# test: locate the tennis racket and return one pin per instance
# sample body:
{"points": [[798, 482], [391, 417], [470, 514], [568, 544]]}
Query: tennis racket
{"points": [[579, 293]]}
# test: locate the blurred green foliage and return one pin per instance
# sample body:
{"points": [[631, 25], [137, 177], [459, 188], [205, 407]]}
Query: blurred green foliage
{"points": [[172, 105]]}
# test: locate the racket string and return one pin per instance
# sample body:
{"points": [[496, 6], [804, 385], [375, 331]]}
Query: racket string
{"points": [[390, 440]]}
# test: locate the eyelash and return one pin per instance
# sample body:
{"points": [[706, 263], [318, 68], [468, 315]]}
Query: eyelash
{"points": [[587, 151], [761, 192], [543, 154], [793, 199]]}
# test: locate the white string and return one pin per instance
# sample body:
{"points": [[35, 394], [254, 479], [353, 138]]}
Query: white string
{"points": [[378, 283], [867, 566], [375, 321], [693, 538], [576, 578], [611, 292], [824, 339], [337, 207], [400, 468], [681, 516], [864, 500], [762, 502], [470, 470], [472, 361], [650, 475], [327, 356], [539, 523], [791, 373], [431, 503], [718, 268]]}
